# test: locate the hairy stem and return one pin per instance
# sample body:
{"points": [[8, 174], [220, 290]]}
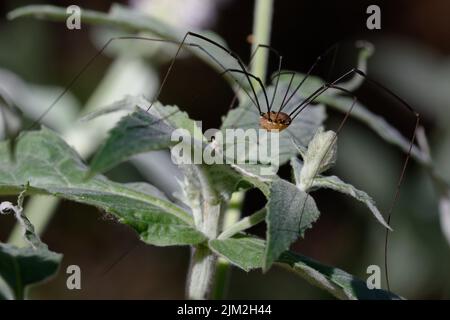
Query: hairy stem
{"points": [[201, 273], [203, 260], [244, 224], [223, 268]]}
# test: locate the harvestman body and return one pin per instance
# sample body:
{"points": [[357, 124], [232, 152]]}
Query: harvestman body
{"points": [[269, 120]]}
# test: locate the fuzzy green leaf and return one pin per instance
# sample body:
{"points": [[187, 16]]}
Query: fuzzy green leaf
{"points": [[136, 133], [141, 131], [307, 175], [297, 166], [243, 251], [336, 281], [333, 182], [290, 212], [52, 167], [21, 267], [247, 253]]}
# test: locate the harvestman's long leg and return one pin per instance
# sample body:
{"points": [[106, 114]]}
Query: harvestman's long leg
{"points": [[308, 73], [334, 85], [257, 79], [260, 82], [181, 44], [101, 50], [280, 58], [240, 63], [231, 53], [122, 256]]}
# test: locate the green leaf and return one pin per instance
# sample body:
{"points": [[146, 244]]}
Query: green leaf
{"points": [[336, 281], [290, 212], [333, 182], [297, 166], [141, 131], [247, 253], [243, 251], [21, 267], [320, 156], [144, 131], [223, 178], [52, 167], [136, 133]]}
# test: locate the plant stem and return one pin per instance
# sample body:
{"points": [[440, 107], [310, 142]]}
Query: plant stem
{"points": [[223, 274], [223, 268], [201, 274], [262, 23], [244, 224], [203, 260]]}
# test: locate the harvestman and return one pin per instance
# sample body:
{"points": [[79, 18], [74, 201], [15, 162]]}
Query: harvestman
{"points": [[271, 118]]}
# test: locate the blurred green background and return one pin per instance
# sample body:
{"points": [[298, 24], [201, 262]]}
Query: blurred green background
{"points": [[411, 58]]}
